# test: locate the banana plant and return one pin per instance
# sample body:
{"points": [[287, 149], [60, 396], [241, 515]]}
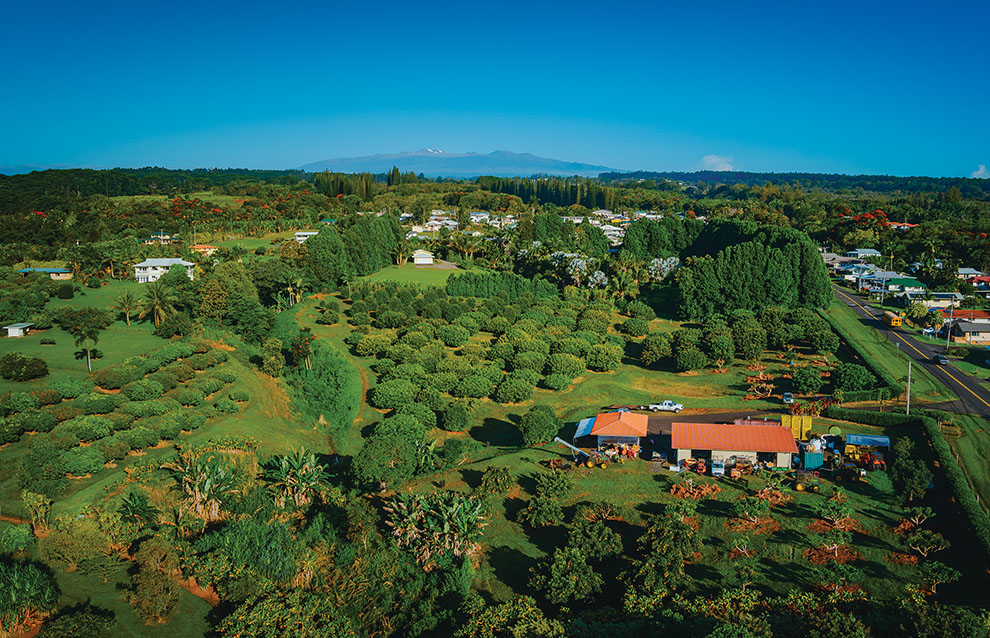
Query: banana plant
{"points": [[295, 478], [205, 481]]}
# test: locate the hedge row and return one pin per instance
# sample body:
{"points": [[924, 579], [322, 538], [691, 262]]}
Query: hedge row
{"points": [[893, 384], [979, 521]]}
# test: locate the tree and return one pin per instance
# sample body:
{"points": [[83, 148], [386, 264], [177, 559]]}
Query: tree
{"points": [[154, 596], [806, 380], [539, 425], [85, 326], [565, 576], [751, 508], [656, 348], [29, 595], [833, 540], [925, 542], [916, 312], [518, 617], [935, 573], [918, 515], [437, 525], [834, 510], [272, 359], [593, 539], [39, 508], [850, 377], [664, 547], [296, 478], [127, 304], [288, 614], [385, 461], [834, 576], [206, 482], [158, 300], [455, 417], [391, 395]]}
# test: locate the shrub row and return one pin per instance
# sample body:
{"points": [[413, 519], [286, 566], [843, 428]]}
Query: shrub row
{"points": [[885, 377]]}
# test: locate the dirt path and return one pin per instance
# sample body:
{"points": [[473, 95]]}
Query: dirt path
{"points": [[16, 520]]}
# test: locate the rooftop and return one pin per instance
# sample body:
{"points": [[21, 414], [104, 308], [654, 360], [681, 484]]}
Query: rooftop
{"points": [[739, 438], [620, 424], [160, 262], [49, 270]]}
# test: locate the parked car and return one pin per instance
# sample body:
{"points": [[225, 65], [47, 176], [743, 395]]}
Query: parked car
{"points": [[941, 360], [788, 397], [663, 406], [718, 468]]}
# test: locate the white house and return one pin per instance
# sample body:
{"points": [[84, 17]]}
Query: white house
{"points": [[967, 273], [303, 235], [860, 253], [18, 329], [422, 258], [152, 269]]}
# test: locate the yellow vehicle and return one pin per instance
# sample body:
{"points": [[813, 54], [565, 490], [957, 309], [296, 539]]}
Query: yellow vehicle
{"points": [[891, 319]]}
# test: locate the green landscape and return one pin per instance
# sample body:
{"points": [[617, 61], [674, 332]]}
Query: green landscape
{"points": [[323, 438]]}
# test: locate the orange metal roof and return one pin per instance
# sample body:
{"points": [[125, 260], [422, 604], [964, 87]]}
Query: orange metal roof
{"points": [[732, 438], [620, 424]]}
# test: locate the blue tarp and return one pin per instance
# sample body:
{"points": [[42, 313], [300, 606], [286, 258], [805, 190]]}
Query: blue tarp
{"points": [[866, 439], [584, 427]]}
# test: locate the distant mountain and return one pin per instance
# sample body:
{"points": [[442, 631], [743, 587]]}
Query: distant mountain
{"points": [[437, 163], [28, 168]]}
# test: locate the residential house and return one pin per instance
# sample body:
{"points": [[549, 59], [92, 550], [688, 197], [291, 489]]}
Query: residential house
{"points": [[967, 273], [303, 235], [160, 238], [152, 269], [422, 258], [905, 284], [931, 299], [57, 274], [971, 332], [204, 249], [18, 329], [862, 253]]}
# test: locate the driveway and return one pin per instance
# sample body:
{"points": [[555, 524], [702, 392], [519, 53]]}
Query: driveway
{"points": [[973, 397]]}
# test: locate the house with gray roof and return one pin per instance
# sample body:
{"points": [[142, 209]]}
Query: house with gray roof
{"points": [[152, 269]]}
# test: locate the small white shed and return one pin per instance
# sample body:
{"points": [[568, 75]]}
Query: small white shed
{"points": [[18, 329], [422, 258]]}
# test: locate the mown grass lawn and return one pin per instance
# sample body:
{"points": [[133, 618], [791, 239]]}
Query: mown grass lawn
{"points": [[413, 274]]}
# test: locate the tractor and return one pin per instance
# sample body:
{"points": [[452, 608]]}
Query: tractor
{"points": [[872, 461], [848, 472], [807, 482]]}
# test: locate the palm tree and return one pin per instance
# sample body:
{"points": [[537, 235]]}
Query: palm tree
{"points": [[126, 303], [296, 287], [402, 253], [158, 301], [295, 478]]}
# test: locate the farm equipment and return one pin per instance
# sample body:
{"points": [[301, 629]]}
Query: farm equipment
{"points": [[872, 461], [849, 472], [807, 482], [699, 466], [588, 459]]}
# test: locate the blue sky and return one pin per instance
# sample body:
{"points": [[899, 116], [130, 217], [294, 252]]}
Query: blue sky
{"points": [[827, 87]]}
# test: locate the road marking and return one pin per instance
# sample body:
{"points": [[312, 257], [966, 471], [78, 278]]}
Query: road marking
{"points": [[910, 345]]}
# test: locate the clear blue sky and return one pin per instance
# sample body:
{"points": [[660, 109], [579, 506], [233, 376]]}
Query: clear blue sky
{"points": [[899, 88]]}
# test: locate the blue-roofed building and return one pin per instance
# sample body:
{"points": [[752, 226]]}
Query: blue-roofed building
{"points": [[57, 274]]}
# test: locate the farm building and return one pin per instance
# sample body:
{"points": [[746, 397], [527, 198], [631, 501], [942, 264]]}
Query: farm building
{"points": [[57, 274], [18, 329], [152, 269], [613, 428], [422, 258], [772, 444], [303, 235]]}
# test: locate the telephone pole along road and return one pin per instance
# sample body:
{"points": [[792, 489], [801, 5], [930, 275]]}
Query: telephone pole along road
{"points": [[973, 398]]}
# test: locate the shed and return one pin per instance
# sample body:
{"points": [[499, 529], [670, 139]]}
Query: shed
{"points": [[422, 258], [615, 428], [18, 329], [773, 444], [58, 274]]}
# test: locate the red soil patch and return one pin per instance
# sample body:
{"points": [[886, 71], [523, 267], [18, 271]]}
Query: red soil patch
{"points": [[692, 522], [846, 525], [514, 492], [902, 528], [735, 553], [900, 558], [761, 526], [208, 594], [819, 556]]}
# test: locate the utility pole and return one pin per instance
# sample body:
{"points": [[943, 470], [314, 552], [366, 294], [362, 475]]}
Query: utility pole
{"points": [[910, 361], [948, 328]]}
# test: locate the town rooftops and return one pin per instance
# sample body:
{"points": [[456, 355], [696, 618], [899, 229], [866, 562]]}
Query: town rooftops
{"points": [[620, 424], [163, 262], [47, 270], [732, 438]]}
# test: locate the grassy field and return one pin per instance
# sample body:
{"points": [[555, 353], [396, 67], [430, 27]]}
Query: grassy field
{"points": [[971, 445], [924, 387], [228, 201], [410, 273]]}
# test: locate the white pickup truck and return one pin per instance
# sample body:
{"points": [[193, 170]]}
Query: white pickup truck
{"points": [[663, 406]]}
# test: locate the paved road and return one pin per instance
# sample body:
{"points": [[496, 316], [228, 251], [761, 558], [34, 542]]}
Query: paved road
{"points": [[973, 397]]}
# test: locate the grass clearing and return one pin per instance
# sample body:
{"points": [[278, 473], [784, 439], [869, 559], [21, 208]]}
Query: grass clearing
{"points": [[971, 445], [413, 274]]}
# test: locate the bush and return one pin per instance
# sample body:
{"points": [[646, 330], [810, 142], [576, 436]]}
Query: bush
{"points": [[64, 290], [539, 425], [14, 538], [240, 396], [48, 397], [99, 403], [175, 325], [46, 341], [82, 460], [182, 372], [167, 427], [850, 377], [113, 447], [557, 382], [455, 417], [156, 407], [208, 385], [88, 428], [34, 421], [514, 390], [227, 376], [17, 367], [121, 421], [604, 358], [69, 387], [19, 402], [166, 379], [529, 361], [114, 378], [225, 406], [142, 390], [139, 437]]}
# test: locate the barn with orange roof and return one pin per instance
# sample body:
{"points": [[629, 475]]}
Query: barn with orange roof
{"points": [[613, 428], [771, 444]]}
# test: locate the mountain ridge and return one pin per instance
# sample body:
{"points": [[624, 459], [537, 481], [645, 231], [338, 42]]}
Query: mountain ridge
{"points": [[437, 163]]}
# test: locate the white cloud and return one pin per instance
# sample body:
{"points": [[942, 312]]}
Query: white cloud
{"points": [[981, 172], [719, 163]]}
